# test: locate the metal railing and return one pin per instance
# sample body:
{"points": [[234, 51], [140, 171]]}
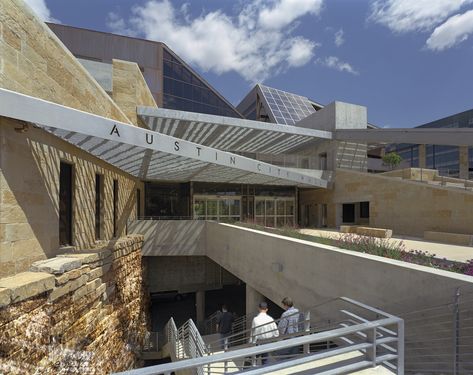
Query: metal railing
{"points": [[371, 337], [368, 341], [439, 339], [150, 342]]}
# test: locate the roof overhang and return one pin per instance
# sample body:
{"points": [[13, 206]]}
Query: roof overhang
{"points": [[426, 136], [144, 153], [231, 134]]}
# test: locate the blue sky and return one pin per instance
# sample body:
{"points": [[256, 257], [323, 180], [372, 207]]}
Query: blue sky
{"points": [[408, 61]]}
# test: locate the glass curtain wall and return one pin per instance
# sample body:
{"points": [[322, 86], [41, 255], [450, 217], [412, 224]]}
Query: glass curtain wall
{"points": [[183, 90], [211, 207], [274, 212]]}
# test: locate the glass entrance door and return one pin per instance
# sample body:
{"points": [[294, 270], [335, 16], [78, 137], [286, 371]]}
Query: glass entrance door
{"points": [[274, 212], [213, 207]]}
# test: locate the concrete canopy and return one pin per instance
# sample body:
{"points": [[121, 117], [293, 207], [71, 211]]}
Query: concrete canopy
{"points": [[426, 136], [231, 134], [144, 153]]}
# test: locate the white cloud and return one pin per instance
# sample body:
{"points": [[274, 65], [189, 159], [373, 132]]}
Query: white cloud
{"points": [[335, 63], [453, 31], [255, 43], [284, 12], [339, 39], [41, 10], [413, 15]]}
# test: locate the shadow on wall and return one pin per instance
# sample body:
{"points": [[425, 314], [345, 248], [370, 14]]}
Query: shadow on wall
{"points": [[30, 203], [171, 237]]}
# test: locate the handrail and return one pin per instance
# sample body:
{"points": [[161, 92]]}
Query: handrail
{"points": [[246, 333], [284, 344]]}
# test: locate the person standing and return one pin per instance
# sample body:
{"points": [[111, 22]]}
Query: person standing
{"points": [[224, 325], [289, 323], [263, 327]]}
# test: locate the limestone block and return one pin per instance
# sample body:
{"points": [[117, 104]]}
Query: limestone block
{"points": [[374, 232], [27, 284], [86, 289], [99, 271], [348, 228], [57, 265], [91, 256], [5, 297], [67, 288]]}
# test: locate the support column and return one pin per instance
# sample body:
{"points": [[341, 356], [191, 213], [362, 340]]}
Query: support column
{"points": [[253, 298], [422, 156], [464, 162], [200, 308]]}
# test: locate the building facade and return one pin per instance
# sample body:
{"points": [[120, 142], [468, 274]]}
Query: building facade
{"points": [[448, 160]]}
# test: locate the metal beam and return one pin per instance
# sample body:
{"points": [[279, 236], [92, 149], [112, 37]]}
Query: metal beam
{"points": [[426, 136]]}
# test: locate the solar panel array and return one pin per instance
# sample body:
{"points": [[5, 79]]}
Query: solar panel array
{"points": [[286, 108]]}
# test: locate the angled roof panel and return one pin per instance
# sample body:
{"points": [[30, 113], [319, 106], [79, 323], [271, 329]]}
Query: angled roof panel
{"points": [[231, 134], [286, 108]]}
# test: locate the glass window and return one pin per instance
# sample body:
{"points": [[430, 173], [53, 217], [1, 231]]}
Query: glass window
{"points": [[270, 208], [199, 208], [280, 208], [65, 203], [290, 207], [235, 208], [224, 207], [259, 207], [212, 208]]}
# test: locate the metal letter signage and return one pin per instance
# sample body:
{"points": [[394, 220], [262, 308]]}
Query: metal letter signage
{"points": [[149, 138], [115, 130]]}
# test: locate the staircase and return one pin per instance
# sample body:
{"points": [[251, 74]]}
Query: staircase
{"points": [[338, 336]]}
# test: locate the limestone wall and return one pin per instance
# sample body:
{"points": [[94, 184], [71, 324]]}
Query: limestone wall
{"points": [[83, 312], [130, 89], [406, 207], [29, 196], [34, 61]]}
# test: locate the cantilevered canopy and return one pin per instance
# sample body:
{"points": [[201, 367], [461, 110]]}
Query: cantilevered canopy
{"points": [[426, 136], [231, 134], [144, 153]]}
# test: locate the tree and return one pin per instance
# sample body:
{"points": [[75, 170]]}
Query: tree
{"points": [[392, 159]]}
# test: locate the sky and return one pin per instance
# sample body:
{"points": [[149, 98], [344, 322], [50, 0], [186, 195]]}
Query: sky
{"points": [[408, 61]]}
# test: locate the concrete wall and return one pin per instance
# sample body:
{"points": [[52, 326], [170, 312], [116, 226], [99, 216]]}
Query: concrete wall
{"points": [[311, 273], [277, 266], [406, 207], [171, 237], [339, 115], [185, 274]]}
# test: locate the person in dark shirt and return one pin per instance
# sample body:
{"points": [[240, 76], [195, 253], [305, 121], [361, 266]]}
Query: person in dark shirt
{"points": [[224, 326]]}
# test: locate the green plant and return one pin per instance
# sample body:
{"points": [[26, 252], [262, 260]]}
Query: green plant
{"points": [[392, 159], [374, 246]]}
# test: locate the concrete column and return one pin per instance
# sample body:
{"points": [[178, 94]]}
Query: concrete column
{"points": [[464, 162], [253, 298], [200, 307], [422, 156]]}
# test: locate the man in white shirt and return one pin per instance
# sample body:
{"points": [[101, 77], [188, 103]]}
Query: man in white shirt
{"points": [[263, 327]]}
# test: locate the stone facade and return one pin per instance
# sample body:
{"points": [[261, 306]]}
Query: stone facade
{"points": [[130, 89], [407, 207], [34, 62], [84, 312], [29, 197]]}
